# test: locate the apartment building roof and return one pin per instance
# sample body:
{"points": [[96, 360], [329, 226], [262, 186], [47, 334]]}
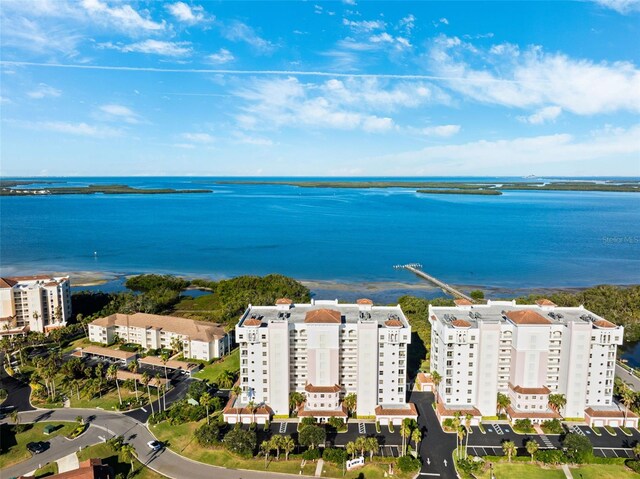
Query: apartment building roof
{"points": [[107, 352], [505, 312], [545, 302], [194, 330], [310, 388], [522, 390], [9, 282], [284, 301], [364, 301], [324, 312], [462, 302], [89, 469], [302, 412], [393, 323], [608, 411], [396, 410]]}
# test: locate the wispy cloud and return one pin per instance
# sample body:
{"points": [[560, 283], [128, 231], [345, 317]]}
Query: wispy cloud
{"points": [[543, 115], [241, 32], [220, 57], [187, 14], [70, 128], [154, 47], [442, 131], [44, 91], [535, 78], [253, 140], [114, 112], [364, 25], [122, 16], [620, 6], [23, 34], [198, 137]]}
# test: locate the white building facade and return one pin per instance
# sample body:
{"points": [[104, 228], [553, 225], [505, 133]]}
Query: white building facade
{"points": [[325, 350], [198, 339], [526, 352], [34, 303]]}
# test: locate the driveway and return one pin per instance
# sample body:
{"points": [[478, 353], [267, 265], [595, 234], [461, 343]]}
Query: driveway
{"points": [[436, 446]]}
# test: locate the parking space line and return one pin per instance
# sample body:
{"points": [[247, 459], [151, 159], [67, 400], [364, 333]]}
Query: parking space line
{"points": [[362, 428]]}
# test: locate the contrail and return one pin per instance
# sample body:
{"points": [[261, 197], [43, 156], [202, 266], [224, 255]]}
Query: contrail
{"points": [[392, 76]]}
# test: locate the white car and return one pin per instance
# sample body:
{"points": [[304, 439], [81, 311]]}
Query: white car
{"points": [[154, 445]]}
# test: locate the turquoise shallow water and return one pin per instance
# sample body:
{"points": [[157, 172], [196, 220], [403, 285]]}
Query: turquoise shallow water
{"points": [[517, 240]]}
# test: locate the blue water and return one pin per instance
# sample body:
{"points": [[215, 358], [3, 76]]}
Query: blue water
{"points": [[517, 240]]}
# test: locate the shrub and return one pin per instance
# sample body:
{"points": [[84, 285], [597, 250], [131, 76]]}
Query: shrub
{"points": [[448, 422], [550, 456], [241, 442], [408, 464], [336, 422], [633, 464], [470, 466], [523, 425], [334, 455], [552, 426], [179, 413], [307, 421], [476, 294], [311, 454], [208, 435], [130, 347], [578, 448]]}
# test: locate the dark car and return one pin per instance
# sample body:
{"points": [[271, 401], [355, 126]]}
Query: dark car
{"points": [[37, 447]]}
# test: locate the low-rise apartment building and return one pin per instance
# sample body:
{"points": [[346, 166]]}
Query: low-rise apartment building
{"points": [[527, 352], [324, 350], [198, 339], [34, 303]]}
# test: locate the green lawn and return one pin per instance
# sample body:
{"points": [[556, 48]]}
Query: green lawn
{"points": [[205, 308], [14, 446], [48, 470], [212, 371], [603, 471], [108, 401], [78, 343], [105, 453], [526, 470]]}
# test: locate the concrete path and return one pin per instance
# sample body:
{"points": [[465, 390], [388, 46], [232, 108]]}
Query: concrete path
{"points": [[68, 463], [566, 471], [319, 468]]}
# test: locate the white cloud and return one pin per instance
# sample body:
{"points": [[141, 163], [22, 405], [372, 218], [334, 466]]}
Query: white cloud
{"points": [[253, 140], [444, 21], [186, 13], [241, 32], [407, 23], [70, 128], [116, 112], [534, 78], [154, 47], [198, 137], [29, 35], [620, 6], [543, 115], [443, 131], [221, 56], [121, 16], [364, 25], [519, 154], [43, 91], [384, 37]]}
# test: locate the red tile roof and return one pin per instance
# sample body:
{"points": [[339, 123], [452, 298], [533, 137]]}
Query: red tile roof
{"points": [[252, 322], [393, 323], [545, 302], [310, 388], [523, 390], [7, 283], [364, 301], [408, 411], [607, 413], [284, 301], [462, 302], [323, 316], [302, 412], [89, 469], [461, 323], [423, 378], [603, 323], [526, 316]]}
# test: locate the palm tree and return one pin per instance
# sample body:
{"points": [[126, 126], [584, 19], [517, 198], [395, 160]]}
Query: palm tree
{"points": [[265, 448], [361, 444], [237, 390], [372, 445], [225, 379], [509, 448], [99, 373], [158, 387], [416, 437], [405, 432], [276, 443], [252, 408], [128, 453], [146, 380], [436, 378], [467, 425], [557, 402], [164, 357], [205, 400], [503, 402], [295, 400], [636, 449], [462, 432], [351, 449], [112, 373], [350, 401], [133, 367], [455, 424], [627, 398], [36, 316], [288, 445], [532, 447]]}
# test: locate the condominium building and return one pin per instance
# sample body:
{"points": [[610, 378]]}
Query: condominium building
{"points": [[198, 339], [325, 350], [527, 352], [34, 303]]}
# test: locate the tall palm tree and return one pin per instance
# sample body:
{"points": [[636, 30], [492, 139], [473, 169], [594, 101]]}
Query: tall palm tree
{"points": [[205, 400], [252, 408], [627, 398], [265, 448], [532, 447], [164, 357], [133, 367], [405, 432], [146, 379], [128, 453], [467, 425], [276, 443], [509, 448], [225, 379], [112, 373], [437, 379], [361, 444], [456, 427], [158, 388], [462, 432], [351, 449], [237, 390], [99, 373], [416, 437], [288, 445], [503, 402], [373, 446], [350, 401]]}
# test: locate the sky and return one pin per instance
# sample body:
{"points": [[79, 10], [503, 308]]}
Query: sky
{"points": [[305, 88]]}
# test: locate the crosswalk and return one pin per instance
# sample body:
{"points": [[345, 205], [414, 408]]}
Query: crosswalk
{"points": [[362, 428], [283, 428], [575, 429], [498, 429], [546, 441]]}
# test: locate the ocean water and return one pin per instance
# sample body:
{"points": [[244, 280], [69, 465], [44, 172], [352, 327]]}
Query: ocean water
{"points": [[517, 240]]}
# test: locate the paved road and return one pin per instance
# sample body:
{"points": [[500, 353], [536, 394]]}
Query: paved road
{"points": [[628, 378], [437, 445], [19, 392]]}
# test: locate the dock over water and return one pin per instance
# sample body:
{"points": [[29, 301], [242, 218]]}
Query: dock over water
{"points": [[416, 269]]}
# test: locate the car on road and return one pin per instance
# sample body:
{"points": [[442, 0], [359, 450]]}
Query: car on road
{"points": [[154, 445], [37, 447]]}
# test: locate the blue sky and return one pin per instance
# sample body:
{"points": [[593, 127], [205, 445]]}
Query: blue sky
{"points": [[101, 87]]}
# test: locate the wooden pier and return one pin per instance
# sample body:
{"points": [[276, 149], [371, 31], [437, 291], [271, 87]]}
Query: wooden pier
{"points": [[416, 269]]}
